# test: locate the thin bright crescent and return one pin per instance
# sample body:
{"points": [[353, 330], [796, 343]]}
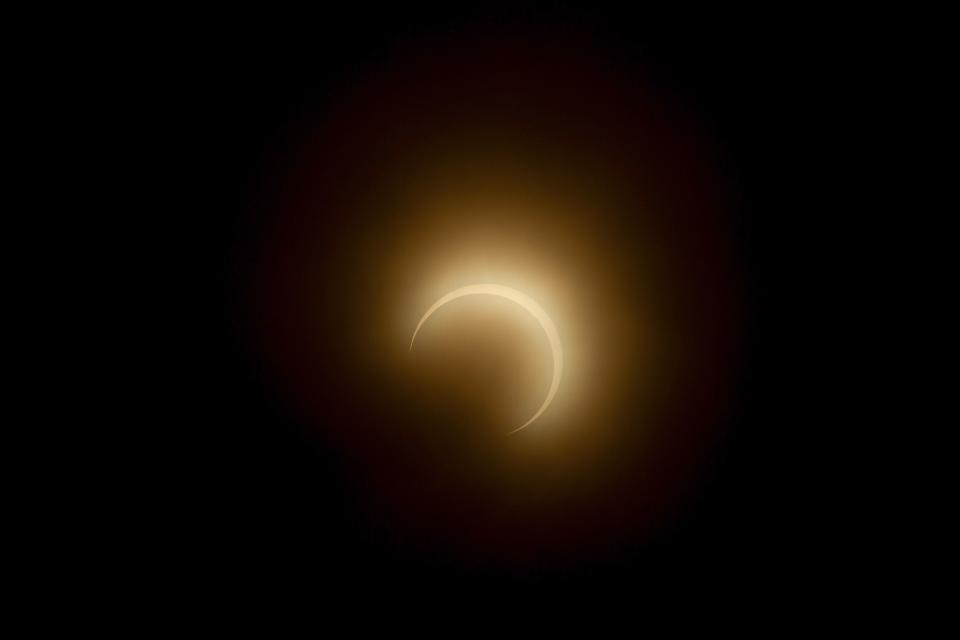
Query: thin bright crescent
{"points": [[532, 307]]}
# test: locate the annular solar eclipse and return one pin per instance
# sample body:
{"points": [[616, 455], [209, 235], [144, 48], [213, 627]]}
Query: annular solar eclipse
{"points": [[530, 305]]}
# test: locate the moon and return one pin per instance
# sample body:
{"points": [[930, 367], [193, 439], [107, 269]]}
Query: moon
{"points": [[533, 308]]}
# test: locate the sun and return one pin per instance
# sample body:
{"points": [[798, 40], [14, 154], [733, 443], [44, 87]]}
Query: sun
{"points": [[533, 308]]}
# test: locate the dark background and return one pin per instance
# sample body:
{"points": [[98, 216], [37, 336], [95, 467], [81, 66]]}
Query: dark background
{"points": [[232, 504]]}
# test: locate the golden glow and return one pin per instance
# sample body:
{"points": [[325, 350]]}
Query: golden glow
{"points": [[564, 179], [533, 308]]}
